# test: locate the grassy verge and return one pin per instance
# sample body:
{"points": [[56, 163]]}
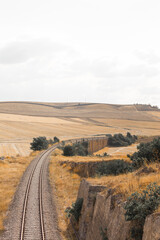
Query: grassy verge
{"points": [[66, 187], [11, 170], [126, 184]]}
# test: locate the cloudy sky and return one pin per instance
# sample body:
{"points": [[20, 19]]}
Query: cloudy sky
{"points": [[80, 50]]}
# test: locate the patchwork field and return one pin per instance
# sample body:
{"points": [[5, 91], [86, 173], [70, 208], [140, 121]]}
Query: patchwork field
{"points": [[21, 121]]}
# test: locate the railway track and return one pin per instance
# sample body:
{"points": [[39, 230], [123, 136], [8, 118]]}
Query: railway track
{"points": [[33, 212], [25, 233]]}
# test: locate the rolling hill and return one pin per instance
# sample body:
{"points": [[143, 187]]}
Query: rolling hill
{"points": [[21, 121]]}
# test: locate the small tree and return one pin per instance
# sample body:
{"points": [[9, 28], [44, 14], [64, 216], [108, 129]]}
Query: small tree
{"points": [[113, 167], [147, 152], [68, 151], [39, 143], [139, 206], [50, 142], [75, 210], [56, 139]]}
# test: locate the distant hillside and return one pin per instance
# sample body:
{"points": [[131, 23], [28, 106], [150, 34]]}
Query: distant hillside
{"points": [[146, 107], [136, 112]]}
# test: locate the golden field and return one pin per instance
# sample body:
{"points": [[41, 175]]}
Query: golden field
{"points": [[21, 121], [118, 152]]}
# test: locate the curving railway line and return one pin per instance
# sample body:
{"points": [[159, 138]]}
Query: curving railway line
{"points": [[32, 215], [33, 205], [26, 200]]}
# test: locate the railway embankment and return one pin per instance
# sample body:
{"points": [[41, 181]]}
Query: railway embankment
{"points": [[103, 216], [113, 205]]}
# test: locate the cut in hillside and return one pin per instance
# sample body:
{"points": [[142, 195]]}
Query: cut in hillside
{"points": [[108, 204]]}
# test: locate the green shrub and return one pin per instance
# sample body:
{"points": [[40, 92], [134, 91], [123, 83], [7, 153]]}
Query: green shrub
{"points": [[147, 152], [39, 143], [80, 149], [50, 141], [75, 210], [68, 150], [119, 140], [140, 205], [56, 139], [84, 144], [103, 233], [113, 167], [105, 154]]}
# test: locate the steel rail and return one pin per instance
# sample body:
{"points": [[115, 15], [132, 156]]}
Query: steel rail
{"points": [[41, 197], [41, 205], [40, 188], [27, 195]]}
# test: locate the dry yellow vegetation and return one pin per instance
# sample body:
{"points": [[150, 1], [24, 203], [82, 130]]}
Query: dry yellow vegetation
{"points": [[11, 170], [118, 152], [21, 121], [126, 184], [65, 186], [67, 181]]}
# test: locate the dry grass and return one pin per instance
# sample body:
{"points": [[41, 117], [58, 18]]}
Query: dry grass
{"points": [[66, 187], [138, 127], [126, 184], [156, 114], [11, 170], [14, 149], [118, 152], [79, 159], [67, 182]]}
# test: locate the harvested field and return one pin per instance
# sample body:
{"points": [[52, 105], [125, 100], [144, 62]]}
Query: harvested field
{"points": [[155, 114], [14, 149], [118, 152], [21, 121], [76, 110]]}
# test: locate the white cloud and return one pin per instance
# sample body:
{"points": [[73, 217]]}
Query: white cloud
{"points": [[149, 57], [107, 51], [22, 51]]}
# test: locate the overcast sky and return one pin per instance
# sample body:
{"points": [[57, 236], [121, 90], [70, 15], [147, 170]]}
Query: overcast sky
{"points": [[80, 50]]}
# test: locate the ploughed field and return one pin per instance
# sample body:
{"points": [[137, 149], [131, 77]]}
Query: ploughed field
{"points": [[21, 121]]}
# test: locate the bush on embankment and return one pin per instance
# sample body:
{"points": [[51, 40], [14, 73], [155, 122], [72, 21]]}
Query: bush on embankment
{"points": [[113, 167], [147, 153], [119, 140], [79, 149], [139, 205]]}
